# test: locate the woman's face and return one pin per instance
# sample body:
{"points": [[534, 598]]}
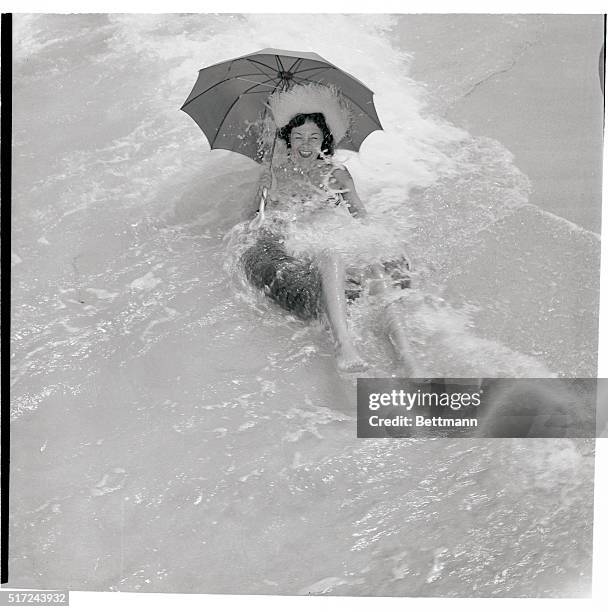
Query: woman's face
{"points": [[306, 141]]}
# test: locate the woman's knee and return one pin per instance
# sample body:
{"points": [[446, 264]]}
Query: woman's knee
{"points": [[330, 259]]}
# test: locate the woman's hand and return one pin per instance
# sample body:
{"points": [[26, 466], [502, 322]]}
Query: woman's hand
{"points": [[257, 221], [347, 187]]}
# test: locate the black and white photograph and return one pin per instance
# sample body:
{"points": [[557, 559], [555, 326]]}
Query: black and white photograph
{"points": [[221, 222]]}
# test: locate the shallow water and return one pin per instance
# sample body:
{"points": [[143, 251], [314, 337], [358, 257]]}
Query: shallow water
{"points": [[174, 431]]}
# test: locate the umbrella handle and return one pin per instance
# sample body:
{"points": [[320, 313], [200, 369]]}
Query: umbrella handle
{"points": [[259, 219], [263, 202]]}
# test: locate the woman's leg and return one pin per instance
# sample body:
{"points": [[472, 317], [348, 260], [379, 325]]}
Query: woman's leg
{"points": [[396, 334], [400, 341], [331, 268]]}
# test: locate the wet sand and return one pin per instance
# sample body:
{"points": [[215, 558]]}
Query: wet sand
{"points": [[544, 102]]}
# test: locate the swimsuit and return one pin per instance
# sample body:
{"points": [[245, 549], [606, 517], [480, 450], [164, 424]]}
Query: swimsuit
{"points": [[293, 283], [307, 220]]}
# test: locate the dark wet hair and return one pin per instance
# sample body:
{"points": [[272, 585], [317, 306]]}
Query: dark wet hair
{"points": [[327, 146]]}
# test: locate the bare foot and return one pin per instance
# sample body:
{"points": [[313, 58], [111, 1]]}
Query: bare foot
{"points": [[348, 359], [377, 286], [379, 281]]}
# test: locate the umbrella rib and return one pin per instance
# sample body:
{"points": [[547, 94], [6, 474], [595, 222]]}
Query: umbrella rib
{"points": [[353, 101], [279, 63], [256, 82], [315, 68], [330, 67], [228, 112], [270, 91], [293, 66], [232, 78], [261, 64], [270, 80], [262, 72], [296, 75]]}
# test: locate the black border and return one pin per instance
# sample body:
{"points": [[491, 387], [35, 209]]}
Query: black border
{"points": [[6, 25], [602, 67]]}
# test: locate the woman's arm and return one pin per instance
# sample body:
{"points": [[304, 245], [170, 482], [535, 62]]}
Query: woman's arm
{"points": [[346, 184]]}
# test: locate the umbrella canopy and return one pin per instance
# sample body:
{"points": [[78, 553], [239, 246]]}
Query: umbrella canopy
{"points": [[229, 99]]}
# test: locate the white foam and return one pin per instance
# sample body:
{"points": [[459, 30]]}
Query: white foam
{"points": [[146, 282], [102, 294]]}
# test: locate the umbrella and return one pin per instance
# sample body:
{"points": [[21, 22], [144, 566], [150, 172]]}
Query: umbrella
{"points": [[229, 99]]}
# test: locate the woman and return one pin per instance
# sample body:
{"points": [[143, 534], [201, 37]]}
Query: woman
{"points": [[313, 217]]}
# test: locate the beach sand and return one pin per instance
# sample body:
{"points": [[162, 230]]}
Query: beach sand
{"points": [[544, 102]]}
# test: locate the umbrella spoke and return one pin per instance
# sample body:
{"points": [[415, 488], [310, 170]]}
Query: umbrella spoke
{"points": [[315, 68], [256, 82], [238, 76], [262, 64], [321, 68], [274, 80], [270, 91], [279, 63], [292, 68], [221, 123], [261, 72], [331, 67], [232, 78]]}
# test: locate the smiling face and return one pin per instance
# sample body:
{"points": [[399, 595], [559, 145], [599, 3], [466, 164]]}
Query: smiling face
{"points": [[306, 141]]}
